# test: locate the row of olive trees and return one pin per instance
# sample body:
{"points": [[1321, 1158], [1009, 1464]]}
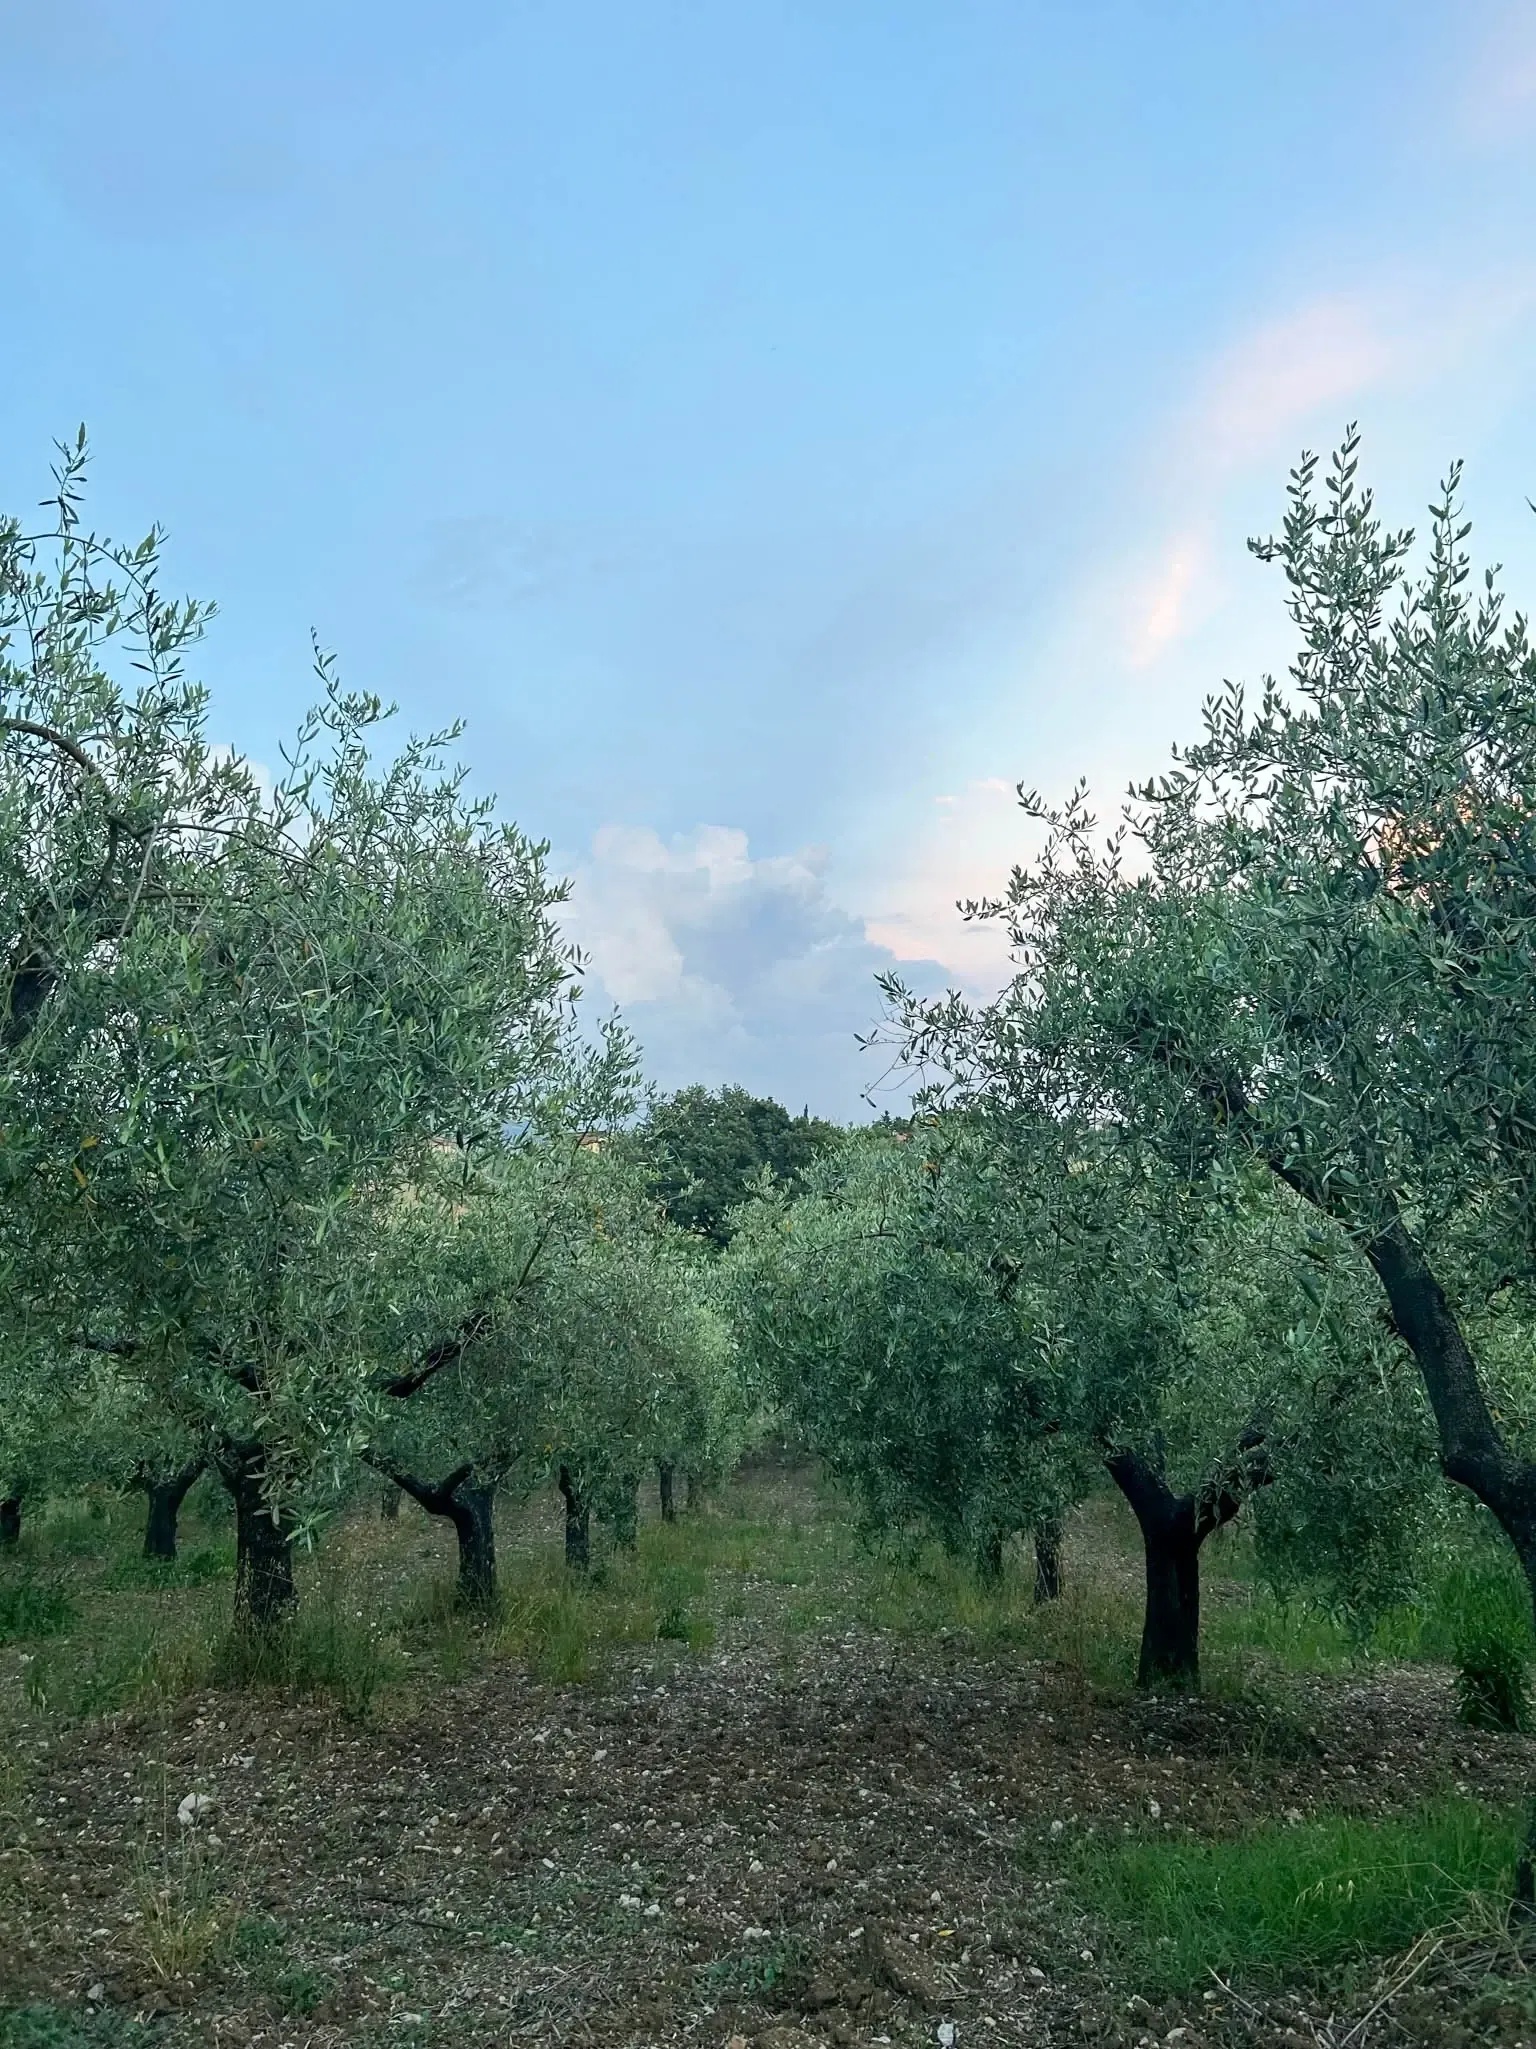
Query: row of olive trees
{"points": [[300, 1147]]}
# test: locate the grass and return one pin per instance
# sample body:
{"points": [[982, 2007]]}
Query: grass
{"points": [[32, 1608], [113, 1628], [768, 1971], [51, 2027], [329, 1647], [1284, 1902]]}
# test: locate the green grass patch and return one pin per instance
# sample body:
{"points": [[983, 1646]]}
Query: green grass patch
{"points": [[51, 2027], [32, 1608], [195, 1565], [1288, 1902], [771, 1971], [325, 1648]]}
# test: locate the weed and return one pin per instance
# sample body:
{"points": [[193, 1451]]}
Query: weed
{"points": [[185, 1920], [1287, 1901], [123, 1660], [195, 1565], [674, 1626], [32, 1608], [298, 1989], [769, 1970], [258, 1936], [1492, 1647]]}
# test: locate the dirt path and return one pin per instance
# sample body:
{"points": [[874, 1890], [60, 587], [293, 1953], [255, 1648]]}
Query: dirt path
{"points": [[844, 1835]]}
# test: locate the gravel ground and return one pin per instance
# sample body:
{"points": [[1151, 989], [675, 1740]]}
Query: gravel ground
{"points": [[830, 1837]]}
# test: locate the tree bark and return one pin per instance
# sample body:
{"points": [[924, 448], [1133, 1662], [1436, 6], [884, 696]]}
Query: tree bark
{"points": [[695, 1494], [10, 1522], [665, 1473], [389, 1502], [1173, 1527], [165, 1499], [265, 1593], [1047, 1564], [470, 1506], [473, 1511], [989, 1558], [578, 1524], [1472, 1447]]}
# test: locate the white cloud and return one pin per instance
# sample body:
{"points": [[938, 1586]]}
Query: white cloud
{"points": [[730, 966]]}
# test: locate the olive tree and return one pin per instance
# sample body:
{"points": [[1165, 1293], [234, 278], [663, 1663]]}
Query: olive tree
{"points": [[970, 1332], [114, 821], [1309, 947], [889, 1309]]}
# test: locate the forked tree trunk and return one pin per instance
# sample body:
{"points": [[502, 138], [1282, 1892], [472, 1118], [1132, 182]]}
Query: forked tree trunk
{"points": [[264, 1586], [10, 1522], [1047, 1564], [1173, 1527], [665, 1473], [578, 1524], [165, 1499], [471, 1507]]}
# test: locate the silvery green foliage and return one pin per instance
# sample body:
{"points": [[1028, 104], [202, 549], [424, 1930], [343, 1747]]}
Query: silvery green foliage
{"points": [[592, 1339], [969, 1322], [891, 1309], [239, 1021], [115, 818]]}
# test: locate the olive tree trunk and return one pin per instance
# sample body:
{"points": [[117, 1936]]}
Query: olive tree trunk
{"points": [[578, 1524], [626, 1516], [1173, 1528], [1047, 1564], [164, 1512], [470, 1505], [666, 1472], [265, 1592], [10, 1522]]}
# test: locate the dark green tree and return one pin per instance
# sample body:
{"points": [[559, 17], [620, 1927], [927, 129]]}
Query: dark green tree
{"points": [[706, 1148]]}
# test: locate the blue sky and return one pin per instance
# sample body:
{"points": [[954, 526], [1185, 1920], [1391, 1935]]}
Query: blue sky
{"points": [[776, 426]]}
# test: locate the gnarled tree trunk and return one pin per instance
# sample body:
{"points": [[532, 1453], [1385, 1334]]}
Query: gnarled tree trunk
{"points": [[578, 1524], [473, 1512], [989, 1558], [1047, 1564], [165, 1499], [665, 1474], [264, 1586]]}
